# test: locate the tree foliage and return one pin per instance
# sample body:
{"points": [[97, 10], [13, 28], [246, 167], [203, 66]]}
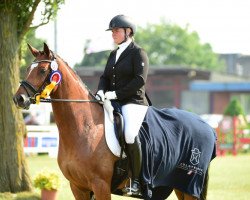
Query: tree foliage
{"points": [[234, 108], [25, 55], [16, 17], [169, 44], [97, 59], [24, 11], [93, 59]]}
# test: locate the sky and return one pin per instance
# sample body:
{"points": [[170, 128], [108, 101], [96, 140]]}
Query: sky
{"points": [[224, 24]]}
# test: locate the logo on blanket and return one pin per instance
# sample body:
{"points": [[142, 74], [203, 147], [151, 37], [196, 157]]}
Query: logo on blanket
{"points": [[194, 160], [195, 157]]}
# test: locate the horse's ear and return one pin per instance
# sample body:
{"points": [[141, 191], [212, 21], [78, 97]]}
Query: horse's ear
{"points": [[46, 49], [33, 50]]}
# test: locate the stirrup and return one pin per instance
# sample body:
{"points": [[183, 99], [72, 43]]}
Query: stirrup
{"points": [[129, 190]]}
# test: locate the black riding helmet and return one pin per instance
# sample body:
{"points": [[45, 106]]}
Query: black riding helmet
{"points": [[122, 21]]}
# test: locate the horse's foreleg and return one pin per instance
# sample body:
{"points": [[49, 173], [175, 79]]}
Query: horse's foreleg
{"points": [[80, 194], [101, 189], [184, 196]]}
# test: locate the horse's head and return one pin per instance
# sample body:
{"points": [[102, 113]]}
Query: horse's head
{"points": [[42, 77]]}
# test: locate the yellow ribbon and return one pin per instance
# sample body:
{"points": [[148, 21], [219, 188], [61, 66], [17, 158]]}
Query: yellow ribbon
{"points": [[46, 92]]}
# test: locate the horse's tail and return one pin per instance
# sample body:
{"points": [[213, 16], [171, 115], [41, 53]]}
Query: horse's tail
{"points": [[203, 195]]}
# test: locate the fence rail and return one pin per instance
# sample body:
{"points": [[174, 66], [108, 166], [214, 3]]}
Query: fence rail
{"points": [[41, 139]]}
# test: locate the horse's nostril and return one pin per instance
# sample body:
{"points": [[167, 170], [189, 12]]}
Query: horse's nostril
{"points": [[21, 101], [22, 98], [18, 99]]}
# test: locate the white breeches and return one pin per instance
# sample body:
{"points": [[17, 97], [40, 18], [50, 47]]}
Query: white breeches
{"points": [[133, 115]]}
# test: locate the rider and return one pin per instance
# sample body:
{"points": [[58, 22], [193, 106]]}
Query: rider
{"points": [[123, 81]]}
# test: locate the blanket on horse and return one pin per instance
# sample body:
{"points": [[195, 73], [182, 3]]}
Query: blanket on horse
{"points": [[177, 147]]}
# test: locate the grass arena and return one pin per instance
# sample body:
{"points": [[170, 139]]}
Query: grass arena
{"points": [[229, 178]]}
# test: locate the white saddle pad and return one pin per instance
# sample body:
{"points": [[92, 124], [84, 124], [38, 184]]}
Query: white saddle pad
{"points": [[111, 139]]}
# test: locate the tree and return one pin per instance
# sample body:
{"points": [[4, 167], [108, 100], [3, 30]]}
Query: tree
{"points": [[16, 18], [26, 56], [97, 59], [93, 59], [169, 44], [234, 108]]}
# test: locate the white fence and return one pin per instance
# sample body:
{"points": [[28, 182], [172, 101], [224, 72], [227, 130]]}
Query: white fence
{"points": [[41, 139]]}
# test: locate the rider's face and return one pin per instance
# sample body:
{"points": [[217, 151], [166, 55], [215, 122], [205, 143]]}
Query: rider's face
{"points": [[118, 35]]}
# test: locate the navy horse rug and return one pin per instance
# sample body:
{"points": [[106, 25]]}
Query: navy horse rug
{"points": [[177, 147]]}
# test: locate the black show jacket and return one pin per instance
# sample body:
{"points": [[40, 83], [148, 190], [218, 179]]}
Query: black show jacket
{"points": [[127, 76]]}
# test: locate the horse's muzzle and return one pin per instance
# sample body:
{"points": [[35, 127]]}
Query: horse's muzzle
{"points": [[22, 101]]}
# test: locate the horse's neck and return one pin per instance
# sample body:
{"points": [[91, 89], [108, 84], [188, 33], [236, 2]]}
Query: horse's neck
{"points": [[74, 118]]}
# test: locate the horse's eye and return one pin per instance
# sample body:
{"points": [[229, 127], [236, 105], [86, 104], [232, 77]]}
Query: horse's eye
{"points": [[43, 71]]}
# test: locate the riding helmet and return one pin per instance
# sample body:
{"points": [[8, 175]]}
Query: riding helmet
{"points": [[122, 21]]}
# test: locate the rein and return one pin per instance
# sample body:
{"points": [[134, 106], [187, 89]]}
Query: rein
{"points": [[70, 100], [49, 100]]}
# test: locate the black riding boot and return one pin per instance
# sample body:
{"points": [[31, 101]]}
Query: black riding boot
{"points": [[135, 159]]}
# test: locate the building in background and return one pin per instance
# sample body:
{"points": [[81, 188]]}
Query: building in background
{"points": [[199, 91], [237, 64]]}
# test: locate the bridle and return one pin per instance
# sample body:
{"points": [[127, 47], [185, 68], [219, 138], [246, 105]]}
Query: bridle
{"points": [[28, 87]]}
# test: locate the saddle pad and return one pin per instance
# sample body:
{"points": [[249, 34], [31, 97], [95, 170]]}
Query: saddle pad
{"points": [[177, 147], [110, 136]]}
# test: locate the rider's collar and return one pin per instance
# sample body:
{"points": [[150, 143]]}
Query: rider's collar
{"points": [[124, 45]]}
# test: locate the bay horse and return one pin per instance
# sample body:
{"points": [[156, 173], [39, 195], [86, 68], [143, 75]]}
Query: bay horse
{"points": [[83, 156]]}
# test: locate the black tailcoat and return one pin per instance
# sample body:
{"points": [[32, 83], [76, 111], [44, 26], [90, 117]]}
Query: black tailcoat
{"points": [[127, 76]]}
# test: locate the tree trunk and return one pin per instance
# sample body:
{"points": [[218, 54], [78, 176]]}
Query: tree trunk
{"points": [[14, 176]]}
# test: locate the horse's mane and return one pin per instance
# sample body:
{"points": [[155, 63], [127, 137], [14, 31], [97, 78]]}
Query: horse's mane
{"points": [[76, 75]]}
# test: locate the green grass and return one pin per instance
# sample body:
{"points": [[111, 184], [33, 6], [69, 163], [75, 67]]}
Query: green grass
{"points": [[38, 163], [229, 178], [20, 196]]}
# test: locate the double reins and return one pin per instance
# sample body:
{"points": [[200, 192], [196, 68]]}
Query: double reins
{"points": [[49, 100]]}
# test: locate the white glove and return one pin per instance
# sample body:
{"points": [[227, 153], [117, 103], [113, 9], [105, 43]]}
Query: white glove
{"points": [[109, 108], [110, 95], [100, 95]]}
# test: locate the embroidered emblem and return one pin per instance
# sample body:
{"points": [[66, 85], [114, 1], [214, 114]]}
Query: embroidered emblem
{"points": [[191, 169], [195, 157]]}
